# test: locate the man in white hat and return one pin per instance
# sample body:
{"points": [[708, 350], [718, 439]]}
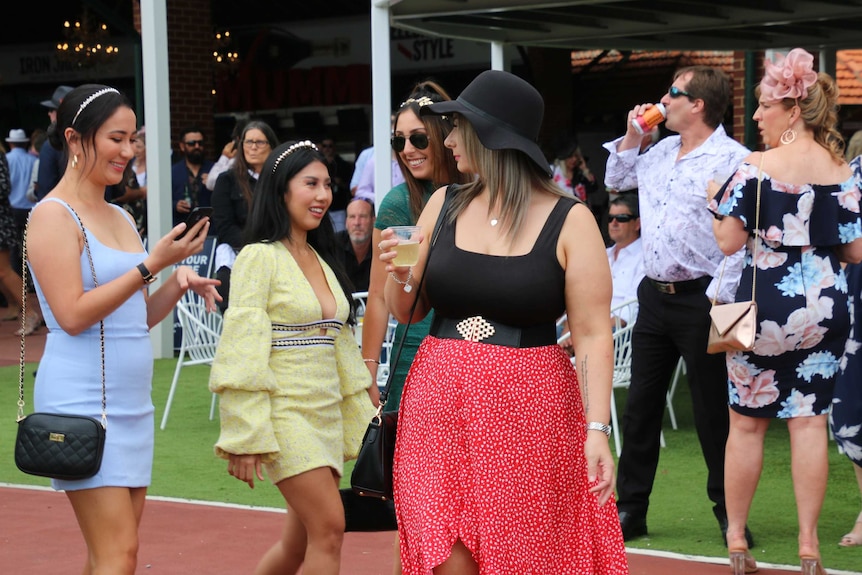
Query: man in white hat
{"points": [[20, 169], [51, 161], [20, 172]]}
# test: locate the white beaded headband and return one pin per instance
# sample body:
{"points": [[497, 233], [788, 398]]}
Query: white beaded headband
{"points": [[90, 99], [423, 101], [292, 149]]}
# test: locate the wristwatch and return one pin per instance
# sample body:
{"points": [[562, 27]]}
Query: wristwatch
{"points": [[145, 274], [598, 426]]}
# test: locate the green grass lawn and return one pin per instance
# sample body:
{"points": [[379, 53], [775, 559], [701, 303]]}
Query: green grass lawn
{"points": [[680, 517]]}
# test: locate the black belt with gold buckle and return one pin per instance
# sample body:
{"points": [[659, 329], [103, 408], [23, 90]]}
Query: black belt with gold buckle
{"points": [[478, 328], [674, 288]]}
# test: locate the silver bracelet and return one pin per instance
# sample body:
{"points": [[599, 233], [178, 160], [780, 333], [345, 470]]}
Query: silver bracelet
{"points": [[406, 283], [599, 426]]}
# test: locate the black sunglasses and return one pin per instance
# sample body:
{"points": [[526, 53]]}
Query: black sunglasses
{"points": [[621, 218], [675, 92], [419, 141], [193, 143]]}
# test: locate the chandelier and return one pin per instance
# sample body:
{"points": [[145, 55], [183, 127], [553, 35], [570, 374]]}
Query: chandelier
{"points": [[86, 43], [222, 53]]}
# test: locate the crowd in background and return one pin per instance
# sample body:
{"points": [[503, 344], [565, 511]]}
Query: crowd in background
{"points": [[680, 224]]}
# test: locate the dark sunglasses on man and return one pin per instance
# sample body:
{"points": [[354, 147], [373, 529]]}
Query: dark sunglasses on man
{"points": [[418, 140], [194, 143], [621, 218]]}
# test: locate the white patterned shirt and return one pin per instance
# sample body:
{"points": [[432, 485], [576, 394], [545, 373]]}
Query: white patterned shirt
{"points": [[676, 227], [627, 271]]}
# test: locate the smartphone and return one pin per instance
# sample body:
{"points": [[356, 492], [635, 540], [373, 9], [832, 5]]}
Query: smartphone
{"points": [[195, 216]]}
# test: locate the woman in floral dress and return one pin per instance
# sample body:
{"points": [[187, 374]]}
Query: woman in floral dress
{"points": [[808, 216], [846, 411]]}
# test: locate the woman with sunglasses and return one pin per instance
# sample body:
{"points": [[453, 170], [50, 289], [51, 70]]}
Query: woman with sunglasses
{"points": [[231, 198], [426, 165]]}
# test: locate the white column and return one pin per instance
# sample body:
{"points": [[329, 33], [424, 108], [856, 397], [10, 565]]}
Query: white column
{"points": [[381, 90], [498, 61], [157, 102]]}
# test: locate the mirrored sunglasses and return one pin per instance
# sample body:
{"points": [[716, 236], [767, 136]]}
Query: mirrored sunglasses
{"points": [[675, 92], [621, 218], [418, 140]]}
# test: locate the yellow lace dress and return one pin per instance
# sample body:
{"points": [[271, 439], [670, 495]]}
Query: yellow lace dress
{"points": [[292, 385]]}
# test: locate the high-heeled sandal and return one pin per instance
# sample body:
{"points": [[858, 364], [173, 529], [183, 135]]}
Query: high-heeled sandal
{"points": [[13, 313], [852, 539], [31, 324], [812, 566], [742, 562]]}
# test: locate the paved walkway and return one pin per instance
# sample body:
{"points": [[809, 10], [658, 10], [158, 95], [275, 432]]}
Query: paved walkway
{"points": [[38, 533]]}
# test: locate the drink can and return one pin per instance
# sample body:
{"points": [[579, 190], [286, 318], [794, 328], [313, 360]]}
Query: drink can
{"points": [[650, 119]]}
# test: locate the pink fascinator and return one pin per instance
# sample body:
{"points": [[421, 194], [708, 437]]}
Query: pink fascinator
{"points": [[789, 77]]}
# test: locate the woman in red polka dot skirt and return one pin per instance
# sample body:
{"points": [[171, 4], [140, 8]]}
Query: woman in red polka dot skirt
{"points": [[502, 463]]}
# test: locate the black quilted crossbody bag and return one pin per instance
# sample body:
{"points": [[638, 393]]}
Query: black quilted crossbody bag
{"points": [[56, 445]]}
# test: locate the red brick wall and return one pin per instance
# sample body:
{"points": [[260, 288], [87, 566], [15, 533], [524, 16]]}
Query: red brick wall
{"points": [[740, 90], [190, 38], [190, 72], [738, 79]]}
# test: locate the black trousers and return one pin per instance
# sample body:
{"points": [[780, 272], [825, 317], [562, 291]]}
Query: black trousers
{"points": [[670, 326]]}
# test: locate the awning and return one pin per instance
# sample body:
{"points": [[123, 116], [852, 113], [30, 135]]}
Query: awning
{"points": [[639, 24]]}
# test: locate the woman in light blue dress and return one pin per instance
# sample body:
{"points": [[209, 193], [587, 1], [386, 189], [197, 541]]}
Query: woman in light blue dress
{"points": [[96, 128]]}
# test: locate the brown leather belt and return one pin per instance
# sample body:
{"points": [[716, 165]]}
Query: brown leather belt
{"points": [[673, 288]]}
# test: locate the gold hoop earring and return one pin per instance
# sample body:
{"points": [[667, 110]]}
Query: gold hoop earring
{"points": [[75, 162], [788, 136]]}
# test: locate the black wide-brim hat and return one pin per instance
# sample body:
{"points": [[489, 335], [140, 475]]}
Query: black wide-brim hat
{"points": [[505, 111]]}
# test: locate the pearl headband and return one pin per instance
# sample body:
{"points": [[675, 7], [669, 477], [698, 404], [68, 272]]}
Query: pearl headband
{"points": [[292, 149], [423, 101], [90, 99]]}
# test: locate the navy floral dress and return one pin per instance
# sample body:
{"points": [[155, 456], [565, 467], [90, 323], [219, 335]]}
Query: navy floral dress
{"points": [[846, 416], [801, 292]]}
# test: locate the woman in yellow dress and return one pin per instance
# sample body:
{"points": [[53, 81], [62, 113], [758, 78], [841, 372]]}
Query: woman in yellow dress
{"points": [[295, 394]]}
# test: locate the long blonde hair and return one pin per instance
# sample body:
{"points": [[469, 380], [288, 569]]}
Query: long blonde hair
{"points": [[510, 177]]}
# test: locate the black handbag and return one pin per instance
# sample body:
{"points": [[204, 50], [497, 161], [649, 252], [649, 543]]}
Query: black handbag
{"points": [[57, 445], [367, 514], [372, 473]]}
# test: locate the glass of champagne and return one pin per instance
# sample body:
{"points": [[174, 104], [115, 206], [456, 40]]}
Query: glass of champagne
{"points": [[407, 250]]}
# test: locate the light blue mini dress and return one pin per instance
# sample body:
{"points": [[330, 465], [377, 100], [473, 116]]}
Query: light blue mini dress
{"points": [[69, 377]]}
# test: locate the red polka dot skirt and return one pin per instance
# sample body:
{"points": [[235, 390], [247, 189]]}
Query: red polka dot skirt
{"points": [[490, 452]]}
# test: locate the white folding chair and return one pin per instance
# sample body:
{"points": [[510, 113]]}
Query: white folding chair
{"points": [[678, 372], [360, 301], [623, 363], [386, 353], [361, 298], [200, 336], [625, 312]]}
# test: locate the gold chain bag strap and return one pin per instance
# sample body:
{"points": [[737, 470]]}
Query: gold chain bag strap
{"points": [[56, 445], [733, 326]]}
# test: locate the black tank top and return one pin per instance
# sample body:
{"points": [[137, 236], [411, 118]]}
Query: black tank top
{"points": [[520, 291]]}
